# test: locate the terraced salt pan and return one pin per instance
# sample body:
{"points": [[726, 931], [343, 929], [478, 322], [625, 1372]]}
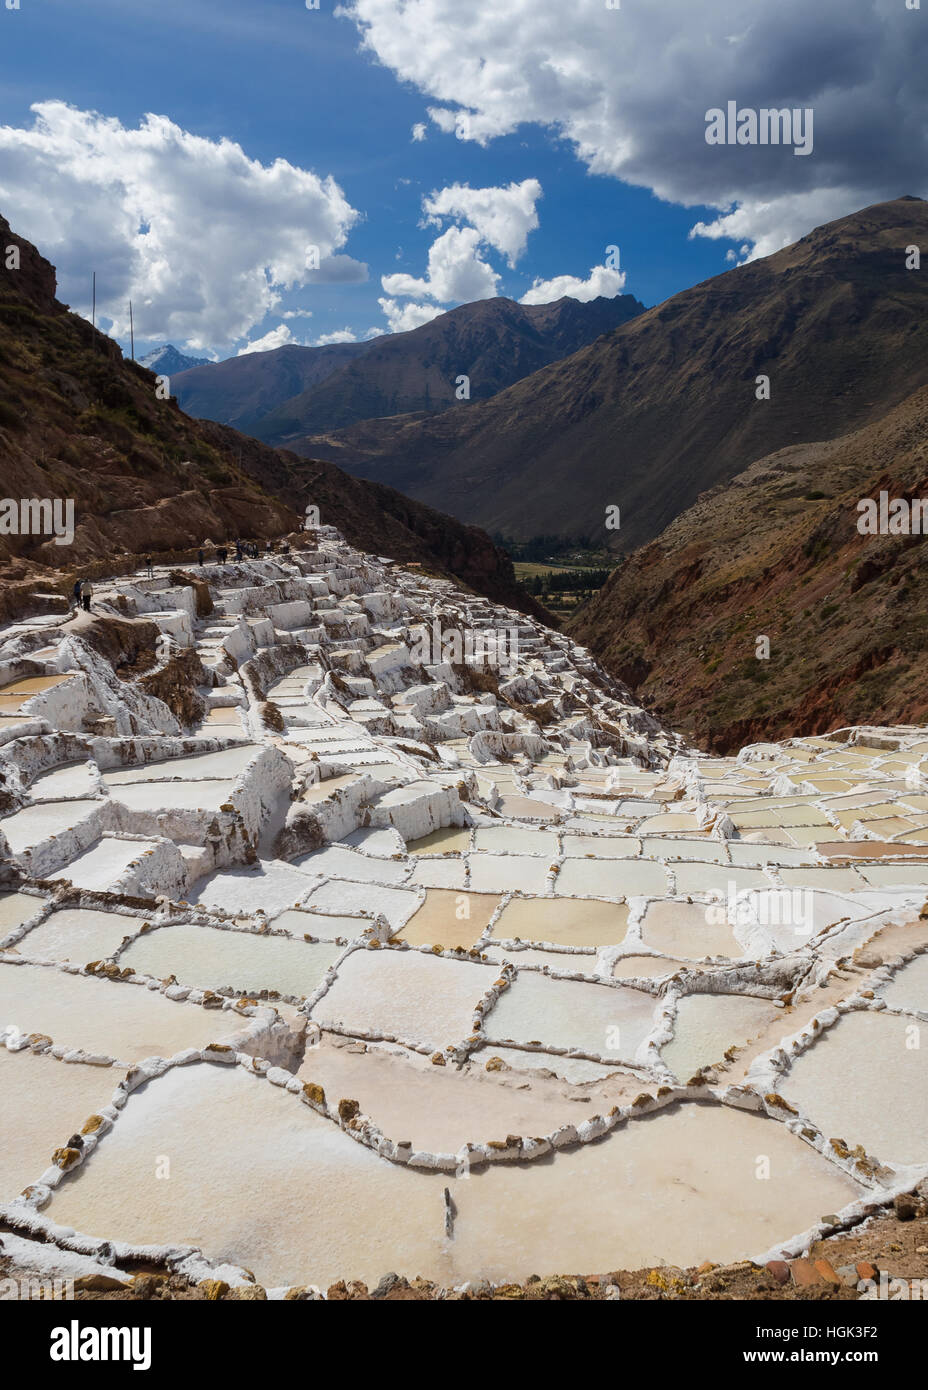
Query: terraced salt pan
{"points": [[600, 846], [348, 863], [451, 840], [33, 824], [649, 967], [210, 959], [499, 873], [864, 1082], [20, 691], [437, 1109], [43, 1102], [319, 924], [100, 866], [320, 791], [908, 988], [682, 929], [74, 779], [105, 1018], [613, 878], [16, 908], [79, 935], [893, 875], [439, 873], [396, 904], [207, 795], [416, 997], [227, 762], [531, 955], [708, 1024], [296, 1201], [448, 919], [563, 922], [707, 878], [709, 851], [515, 840], [270, 884], [610, 1022]]}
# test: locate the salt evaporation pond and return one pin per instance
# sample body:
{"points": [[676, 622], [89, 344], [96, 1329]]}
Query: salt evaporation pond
{"points": [[43, 1102], [33, 824], [100, 866], [79, 935], [450, 919], [210, 959], [295, 1200], [73, 779], [16, 908], [610, 878], [299, 923], [908, 989], [413, 995], [681, 929], [608, 1021], [105, 1018], [450, 840], [563, 922], [207, 794], [708, 1024], [866, 1081], [227, 762]]}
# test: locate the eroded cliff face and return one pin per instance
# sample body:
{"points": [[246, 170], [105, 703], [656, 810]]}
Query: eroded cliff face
{"points": [[81, 425]]}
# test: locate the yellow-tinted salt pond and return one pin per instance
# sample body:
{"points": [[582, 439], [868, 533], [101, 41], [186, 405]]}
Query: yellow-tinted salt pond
{"points": [[563, 922], [43, 1102], [447, 918], [451, 840], [295, 1200], [681, 929]]}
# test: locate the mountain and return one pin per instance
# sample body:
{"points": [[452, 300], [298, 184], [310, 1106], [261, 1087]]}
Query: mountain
{"points": [[167, 360], [242, 390], [651, 415], [777, 553], [493, 342], [80, 424]]}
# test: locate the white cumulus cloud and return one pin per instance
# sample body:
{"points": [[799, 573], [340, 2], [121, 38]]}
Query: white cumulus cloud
{"points": [[402, 317], [602, 280], [340, 335], [630, 87], [503, 217], [277, 337], [203, 239]]}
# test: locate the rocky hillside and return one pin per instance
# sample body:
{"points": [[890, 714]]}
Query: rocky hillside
{"points": [[78, 422], [664, 407], [778, 554], [494, 342]]}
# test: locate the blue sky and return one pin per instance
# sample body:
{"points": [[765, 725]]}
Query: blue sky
{"points": [[287, 83]]}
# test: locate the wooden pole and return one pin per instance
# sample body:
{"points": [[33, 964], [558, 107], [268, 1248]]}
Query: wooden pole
{"points": [[132, 330], [93, 312]]}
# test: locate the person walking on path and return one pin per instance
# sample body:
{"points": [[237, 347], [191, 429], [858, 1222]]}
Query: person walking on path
{"points": [[76, 591], [222, 553], [148, 566], [86, 594], [200, 555]]}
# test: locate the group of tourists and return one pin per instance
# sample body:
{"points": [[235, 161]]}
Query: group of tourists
{"points": [[82, 593], [250, 550]]}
